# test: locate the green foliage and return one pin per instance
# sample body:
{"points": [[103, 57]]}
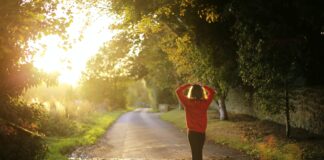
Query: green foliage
{"points": [[21, 146], [92, 128], [274, 42], [58, 100], [153, 65], [271, 50], [19, 131], [23, 21], [178, 38], [58, 125], [105, 80], [50, 93], [138, 94], [279, 36], [177, 117], [111, 93], [181, 30]]}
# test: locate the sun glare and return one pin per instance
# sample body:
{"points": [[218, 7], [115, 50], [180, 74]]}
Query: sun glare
{"points": [[69, 63]]}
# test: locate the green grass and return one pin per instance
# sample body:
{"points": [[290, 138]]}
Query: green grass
{"points": [[260, 139], [176, 117], [90, 130]]}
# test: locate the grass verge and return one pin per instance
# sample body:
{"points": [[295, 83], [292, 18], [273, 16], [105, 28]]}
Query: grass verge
{"points": [[91, 129], [261, 139]]}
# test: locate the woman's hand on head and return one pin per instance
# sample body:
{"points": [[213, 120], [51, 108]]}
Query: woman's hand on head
{"points": [[197, 83]]}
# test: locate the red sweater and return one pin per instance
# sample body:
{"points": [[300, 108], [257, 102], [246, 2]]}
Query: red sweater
{"points": [[196, 110]]}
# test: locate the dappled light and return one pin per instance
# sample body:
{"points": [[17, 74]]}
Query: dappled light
{"points": [[161, 79]]}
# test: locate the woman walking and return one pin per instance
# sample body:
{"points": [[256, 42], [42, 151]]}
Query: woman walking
{"points": [[196, 105]]}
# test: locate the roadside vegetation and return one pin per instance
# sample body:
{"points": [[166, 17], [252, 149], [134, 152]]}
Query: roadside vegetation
{"points": [[262, 139], [88, 131]]}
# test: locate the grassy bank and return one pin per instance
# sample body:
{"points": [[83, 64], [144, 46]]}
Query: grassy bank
{"points": [[91, 128], [261, 139]]}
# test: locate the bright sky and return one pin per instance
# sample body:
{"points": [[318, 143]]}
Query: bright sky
{"points": [[71, 62]]}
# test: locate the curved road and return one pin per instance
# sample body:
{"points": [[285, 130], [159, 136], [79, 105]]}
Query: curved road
{"points": [[142, 135]]}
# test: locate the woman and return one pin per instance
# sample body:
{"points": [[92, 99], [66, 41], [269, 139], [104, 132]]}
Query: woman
{"points": [[196, 105]]}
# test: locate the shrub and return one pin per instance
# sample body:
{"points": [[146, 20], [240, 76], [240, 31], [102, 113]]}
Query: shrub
{"points": [[58, 125], [19, 132]]}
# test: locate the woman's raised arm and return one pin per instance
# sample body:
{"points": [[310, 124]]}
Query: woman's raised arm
{"points": [[180, 93], [210, 93]]}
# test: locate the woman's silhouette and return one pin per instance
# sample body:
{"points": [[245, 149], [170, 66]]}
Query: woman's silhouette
{"points": [[196, 105]]}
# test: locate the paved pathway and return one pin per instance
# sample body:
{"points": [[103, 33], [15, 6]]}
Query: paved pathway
{"points": [[142, 135]]}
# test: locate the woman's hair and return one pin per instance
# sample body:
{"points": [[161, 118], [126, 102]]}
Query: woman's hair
{"points": [[196, 92]]}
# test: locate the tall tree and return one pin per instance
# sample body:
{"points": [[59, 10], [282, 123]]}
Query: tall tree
{"points": [[185, 29], [272, 41], [22, 21]]}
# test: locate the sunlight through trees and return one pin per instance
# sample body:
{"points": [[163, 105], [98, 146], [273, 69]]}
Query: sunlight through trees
{"points": [[64, 61]]}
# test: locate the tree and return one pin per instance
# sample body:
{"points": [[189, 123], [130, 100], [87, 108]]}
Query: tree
{"points": [[184, 30], [159, 71], [21, 22], [204, 58], [268, 44], [271, 47], [106, 78]]}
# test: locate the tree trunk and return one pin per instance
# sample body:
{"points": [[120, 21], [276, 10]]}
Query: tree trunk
{"points": [[287, 112], [153, 99], [222, 108]]}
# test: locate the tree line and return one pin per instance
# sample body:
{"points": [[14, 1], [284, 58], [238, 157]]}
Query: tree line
{"points": [[267, 48]]}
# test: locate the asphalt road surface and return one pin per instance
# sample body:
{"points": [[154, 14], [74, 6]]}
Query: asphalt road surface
{"points": [[141, 134]]}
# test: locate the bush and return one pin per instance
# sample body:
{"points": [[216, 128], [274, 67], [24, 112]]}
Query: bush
{"points": [[58, 125], [21, 146], [19, 138]]}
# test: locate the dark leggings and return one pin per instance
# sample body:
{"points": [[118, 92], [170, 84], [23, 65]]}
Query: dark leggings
{"points": [[196, 140]]}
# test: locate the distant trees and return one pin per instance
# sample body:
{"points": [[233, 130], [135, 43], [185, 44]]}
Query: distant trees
{"points": [[106, 78]]}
